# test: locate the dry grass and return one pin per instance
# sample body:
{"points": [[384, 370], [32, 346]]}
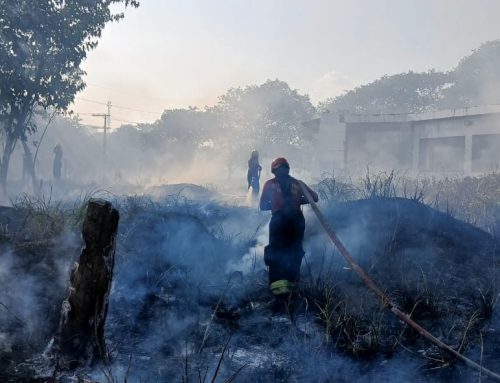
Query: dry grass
{"points": [[361, 328], [475, 200], [46, 219]]}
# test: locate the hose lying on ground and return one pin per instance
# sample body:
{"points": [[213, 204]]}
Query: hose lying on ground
{"points": [[384, 298]]}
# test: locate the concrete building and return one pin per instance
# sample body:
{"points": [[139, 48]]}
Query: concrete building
{"points": [[458, 141]]}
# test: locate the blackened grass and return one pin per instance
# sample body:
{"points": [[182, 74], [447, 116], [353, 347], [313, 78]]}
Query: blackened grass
{"points": [[384, 298]]}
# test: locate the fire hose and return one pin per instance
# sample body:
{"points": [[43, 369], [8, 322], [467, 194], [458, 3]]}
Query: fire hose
{"points": [[386, 301]]}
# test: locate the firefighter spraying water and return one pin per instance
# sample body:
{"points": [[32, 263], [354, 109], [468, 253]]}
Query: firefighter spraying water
{"points": [[253, 173], [283, 196], [253, 179]]}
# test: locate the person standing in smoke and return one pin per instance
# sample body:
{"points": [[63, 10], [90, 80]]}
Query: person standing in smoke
{"points": [[57, 165], [253, 173], [283, 196]]}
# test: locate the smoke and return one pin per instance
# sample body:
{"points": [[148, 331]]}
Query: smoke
{"points": [[254, 258], [212, 145], [485, 149], [32, 286], [19, 296], [205, 147], [189, 275], [332, 84]]}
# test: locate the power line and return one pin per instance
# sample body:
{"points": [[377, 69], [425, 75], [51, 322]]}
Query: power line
{"points": [[124, 91], [85, 114], [92, 101], [115, 106], [136, 110], [127, 121], [118, 106], [114, 118]]}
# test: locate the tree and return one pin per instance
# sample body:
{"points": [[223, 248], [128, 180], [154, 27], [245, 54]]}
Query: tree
{"points": [[255, 116], [189, 126], [267, 117], [179, 132], [476, 79], [401, 93], [270, 113], [42, 44]]}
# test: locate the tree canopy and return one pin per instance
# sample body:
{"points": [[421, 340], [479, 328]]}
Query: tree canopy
{"points": [[271, 112], [474, 81], [400, 93], [42, 44]]}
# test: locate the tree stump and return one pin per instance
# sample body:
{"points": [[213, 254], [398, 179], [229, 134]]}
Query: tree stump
{"points": [[80, 337]]}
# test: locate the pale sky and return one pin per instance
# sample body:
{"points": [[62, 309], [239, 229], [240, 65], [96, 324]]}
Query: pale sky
{"points": [[174, 54]]}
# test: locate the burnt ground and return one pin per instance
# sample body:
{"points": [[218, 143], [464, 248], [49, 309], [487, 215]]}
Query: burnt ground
{"points": [[190, 291], [439, 269]]}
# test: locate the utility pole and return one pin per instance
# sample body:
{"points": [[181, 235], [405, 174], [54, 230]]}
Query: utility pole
{"points": [[107, 125]]}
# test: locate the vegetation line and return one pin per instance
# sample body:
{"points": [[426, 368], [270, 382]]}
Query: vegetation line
{"points": [[384, 298]]}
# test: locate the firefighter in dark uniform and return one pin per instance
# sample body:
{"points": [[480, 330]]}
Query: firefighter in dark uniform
{"points": [[283, 196], [253, 173]]}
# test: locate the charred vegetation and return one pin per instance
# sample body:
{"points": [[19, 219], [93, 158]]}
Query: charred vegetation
{"points": [[185, 283]]}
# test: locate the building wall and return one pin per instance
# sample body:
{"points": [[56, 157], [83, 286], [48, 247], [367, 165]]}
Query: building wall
{"points": [[327, 155], [485, 156], [465, 144], [378, 145], [458, 141]]}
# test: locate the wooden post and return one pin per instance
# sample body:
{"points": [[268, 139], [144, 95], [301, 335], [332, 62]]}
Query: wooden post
{"points": [[80, 338]]}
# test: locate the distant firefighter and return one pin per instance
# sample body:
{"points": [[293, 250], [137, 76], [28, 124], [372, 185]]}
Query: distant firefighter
{"points": [[57, 165], [283, 196], [253, 174]]}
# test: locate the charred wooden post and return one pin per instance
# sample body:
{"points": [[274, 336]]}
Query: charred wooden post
{"points": [[80, 338]]}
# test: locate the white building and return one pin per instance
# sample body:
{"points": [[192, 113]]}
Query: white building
{"points": [[458, 141]]}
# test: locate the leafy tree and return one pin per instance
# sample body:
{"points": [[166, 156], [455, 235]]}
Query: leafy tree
{"points": [[401, 93], [244, 118], [260, 116], [190, 126], [476, 79], [270, 113], [42, 44], [180, 132]]}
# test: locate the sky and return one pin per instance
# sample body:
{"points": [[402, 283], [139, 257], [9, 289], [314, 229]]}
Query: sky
{"points": [[170, 54]]}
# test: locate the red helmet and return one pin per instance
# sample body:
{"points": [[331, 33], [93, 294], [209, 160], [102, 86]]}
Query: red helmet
{"points": [[279, 162]]}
